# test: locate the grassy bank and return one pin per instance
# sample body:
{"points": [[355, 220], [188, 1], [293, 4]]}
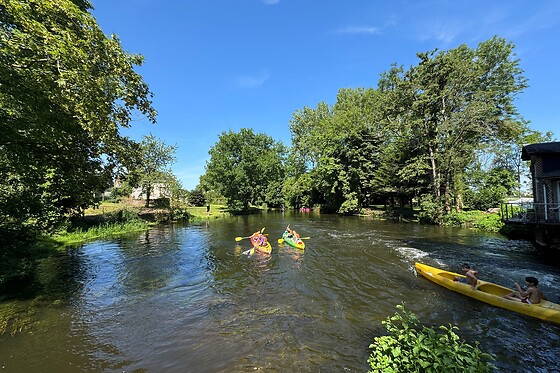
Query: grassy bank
{"points": [[100, 231], [473, 219], [117, 218], [216, 212]]}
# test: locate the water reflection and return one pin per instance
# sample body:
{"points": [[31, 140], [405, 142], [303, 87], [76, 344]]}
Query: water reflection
{"points": [[186, 298]]}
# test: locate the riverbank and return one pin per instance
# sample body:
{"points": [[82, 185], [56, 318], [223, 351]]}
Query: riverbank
{"points": [[488, 221], [117, 218]]}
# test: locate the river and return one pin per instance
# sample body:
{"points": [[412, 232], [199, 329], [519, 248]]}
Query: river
{"points": [[185, 298]]}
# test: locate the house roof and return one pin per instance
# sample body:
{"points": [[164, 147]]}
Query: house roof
{"points": [[540, 148]]}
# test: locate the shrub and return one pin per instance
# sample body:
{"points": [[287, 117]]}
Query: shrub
{"points": [[431, 211], [412, 347], [197, 198]]}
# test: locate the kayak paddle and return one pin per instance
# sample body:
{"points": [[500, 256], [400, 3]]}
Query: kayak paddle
{"points": [[242, 238], [280, 240]]}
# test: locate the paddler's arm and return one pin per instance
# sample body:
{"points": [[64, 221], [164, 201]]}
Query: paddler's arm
{"points": [[521, 291]]}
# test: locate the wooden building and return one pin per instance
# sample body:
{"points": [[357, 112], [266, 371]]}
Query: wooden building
{"points": [[545, 173], [542, 214]]}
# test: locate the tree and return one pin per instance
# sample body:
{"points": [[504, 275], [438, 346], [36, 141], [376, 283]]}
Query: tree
{"points": [[488, 188], [507, 155], [246, 168], [339, 146], [152, 168], [197, 198], [453, 103], [65, 91]]}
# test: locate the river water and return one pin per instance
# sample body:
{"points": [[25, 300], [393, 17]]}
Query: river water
{"points": [[185, 298]]}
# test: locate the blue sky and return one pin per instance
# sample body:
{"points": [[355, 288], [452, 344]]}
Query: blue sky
{"points": [[222, 65]]}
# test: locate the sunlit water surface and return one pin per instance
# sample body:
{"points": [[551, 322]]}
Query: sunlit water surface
{"points": [[187, 299]]}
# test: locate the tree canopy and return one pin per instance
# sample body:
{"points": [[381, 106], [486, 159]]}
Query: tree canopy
{"points": [[65, 91], [416, 133], [246, 168], [153, 167]]}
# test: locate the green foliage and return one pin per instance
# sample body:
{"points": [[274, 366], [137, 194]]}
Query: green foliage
{"points": [[298, 190], [245, 168], [152, 168], [65, 91], [338, 148], [432, 211], [488, 188], [474, 219], [450, 105], [197, 198], [489, 222], [415, 134], [124, 190], [100, 231], [412, 347]]}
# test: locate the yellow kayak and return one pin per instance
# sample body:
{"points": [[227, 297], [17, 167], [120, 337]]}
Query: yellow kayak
{"points": [[491, 294], [263, 247]]}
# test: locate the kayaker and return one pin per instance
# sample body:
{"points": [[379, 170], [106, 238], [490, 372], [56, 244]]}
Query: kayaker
{"points": [[291, 232], [471, 276], [532, 295], [259, 238]]}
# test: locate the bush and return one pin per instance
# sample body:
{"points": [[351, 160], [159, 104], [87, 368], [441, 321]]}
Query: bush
{"points": [[431, 211], [411, 347], [197, 198]]}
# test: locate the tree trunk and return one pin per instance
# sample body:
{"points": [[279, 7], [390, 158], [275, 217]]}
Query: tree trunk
{"points": [[434, 175], [148, 192]]}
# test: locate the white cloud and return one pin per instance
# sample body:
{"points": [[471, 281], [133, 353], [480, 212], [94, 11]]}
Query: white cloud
{"points": [[544, 19], [253, 80], [443, 32], [359, 30]]}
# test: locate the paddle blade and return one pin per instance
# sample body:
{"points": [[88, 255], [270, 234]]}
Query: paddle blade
{"points": [[280, 240], [240, 238]]}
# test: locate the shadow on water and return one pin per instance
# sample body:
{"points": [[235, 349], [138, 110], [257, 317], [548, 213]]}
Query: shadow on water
{"points": [[189, 298]]}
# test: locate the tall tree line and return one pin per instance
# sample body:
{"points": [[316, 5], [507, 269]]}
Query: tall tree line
{"points": [[416, 136]]}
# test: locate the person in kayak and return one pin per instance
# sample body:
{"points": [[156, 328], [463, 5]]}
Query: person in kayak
{"points": [[291, 232], [259, 238], [471, 276], [533, 295]]}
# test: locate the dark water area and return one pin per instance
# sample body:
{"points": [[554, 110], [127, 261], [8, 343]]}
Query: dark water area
{"points": [[185, 298]]}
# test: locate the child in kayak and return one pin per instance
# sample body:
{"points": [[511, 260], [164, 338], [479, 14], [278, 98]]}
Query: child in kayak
{"points": [[291, 232], [470, 276], [532, 295], [259, 238]]}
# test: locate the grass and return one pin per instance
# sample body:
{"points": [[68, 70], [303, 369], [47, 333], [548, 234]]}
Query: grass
{"points": [[108, 229], [216, 212], [100, 231], [108, 207]]}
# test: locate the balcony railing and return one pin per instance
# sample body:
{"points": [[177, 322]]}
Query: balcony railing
{"points": [[530, 212]]}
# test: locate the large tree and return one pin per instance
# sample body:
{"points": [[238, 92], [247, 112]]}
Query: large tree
{"points": [[246, 168], [65, 91], [453, 103], [153, 168], [339, 147]]}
